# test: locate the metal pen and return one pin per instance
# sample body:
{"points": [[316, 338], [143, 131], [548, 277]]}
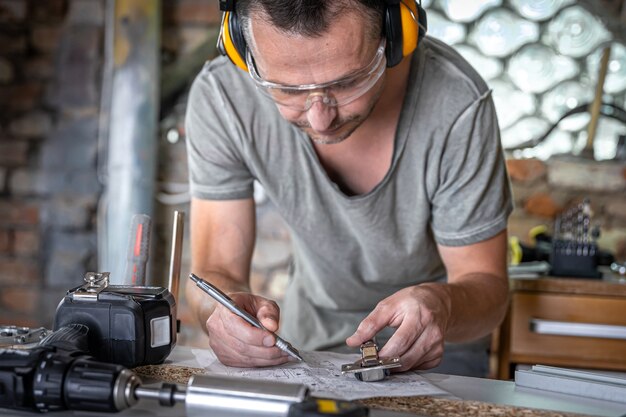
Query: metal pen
{"points": [[228, 302]]}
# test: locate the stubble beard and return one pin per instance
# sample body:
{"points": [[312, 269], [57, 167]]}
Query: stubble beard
{"points": [[355, 119]]}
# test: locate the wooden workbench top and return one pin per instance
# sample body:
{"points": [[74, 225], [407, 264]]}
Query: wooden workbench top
{"points": [[601, 287]]}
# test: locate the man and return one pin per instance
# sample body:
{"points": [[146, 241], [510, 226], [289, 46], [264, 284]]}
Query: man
{"points": [[387, 168]]}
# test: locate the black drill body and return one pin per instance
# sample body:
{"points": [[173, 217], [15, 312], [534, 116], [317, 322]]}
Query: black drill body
{"points": [[58, 374]]}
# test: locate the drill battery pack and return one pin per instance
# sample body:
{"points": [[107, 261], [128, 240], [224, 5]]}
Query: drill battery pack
{"points": [[128, 325]]}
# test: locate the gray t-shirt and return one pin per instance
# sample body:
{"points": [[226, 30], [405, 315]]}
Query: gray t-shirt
{"points": [[447, 184]]}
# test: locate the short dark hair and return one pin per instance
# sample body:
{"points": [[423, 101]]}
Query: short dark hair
{"points": [[309, 18]]}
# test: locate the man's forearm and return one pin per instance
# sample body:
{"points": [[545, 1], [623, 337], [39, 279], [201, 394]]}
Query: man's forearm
{"points": [[476, 304]]}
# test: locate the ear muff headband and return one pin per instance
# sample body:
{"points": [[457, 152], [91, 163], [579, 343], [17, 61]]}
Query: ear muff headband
{"points": [[404, 26]]}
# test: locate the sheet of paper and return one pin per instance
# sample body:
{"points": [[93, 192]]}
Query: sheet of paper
{"points": [[321, 372]]}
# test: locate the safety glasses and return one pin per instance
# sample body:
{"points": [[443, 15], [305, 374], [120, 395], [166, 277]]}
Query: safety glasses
{"points": [[334, 93]]}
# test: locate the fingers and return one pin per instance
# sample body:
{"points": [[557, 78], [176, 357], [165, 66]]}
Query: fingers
{"points": [[266, 311], [425, 360], [268, 314], [425, 352], [377, 320], [420, 322], [237, 343], [404, 338]]}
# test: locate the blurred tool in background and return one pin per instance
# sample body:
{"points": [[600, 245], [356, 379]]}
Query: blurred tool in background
{"points": [[571, 251], [138, 250]]}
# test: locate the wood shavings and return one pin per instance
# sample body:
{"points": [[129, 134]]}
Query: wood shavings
{"points": [[441, 407], [168, 373]]}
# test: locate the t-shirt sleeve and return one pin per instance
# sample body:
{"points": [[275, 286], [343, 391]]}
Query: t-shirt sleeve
{"points": [[215, 144], [473, 200]]}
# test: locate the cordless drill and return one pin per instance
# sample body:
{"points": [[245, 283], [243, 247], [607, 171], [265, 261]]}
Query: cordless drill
{"points": [[58, 374]]}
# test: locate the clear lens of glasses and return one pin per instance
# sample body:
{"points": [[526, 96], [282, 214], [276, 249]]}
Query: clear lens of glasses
{"points": [[536, 68], [335, 93], [488, 68], [511, 104], [441, 28], [615, 81], [501, 32], [575, 32], [466, 10], [539, 9]]}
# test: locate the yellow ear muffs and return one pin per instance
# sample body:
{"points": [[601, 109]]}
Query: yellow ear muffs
{"points": [[231, 41], [409, 16], [404, 25]]}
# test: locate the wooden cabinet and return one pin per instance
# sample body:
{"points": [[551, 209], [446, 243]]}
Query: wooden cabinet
{"points": [[562, 322]]}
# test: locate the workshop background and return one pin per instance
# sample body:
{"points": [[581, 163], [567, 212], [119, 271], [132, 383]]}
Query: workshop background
{"points": [[541, 58]]}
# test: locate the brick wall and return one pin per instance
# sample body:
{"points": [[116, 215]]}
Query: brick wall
{"points": [[50, 55], [544, 189]]}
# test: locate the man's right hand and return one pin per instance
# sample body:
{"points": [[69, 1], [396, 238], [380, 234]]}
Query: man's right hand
{"points": [[236, 342]]}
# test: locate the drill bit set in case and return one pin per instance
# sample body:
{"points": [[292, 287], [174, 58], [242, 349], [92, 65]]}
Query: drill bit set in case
{"points": [[574, 246]]}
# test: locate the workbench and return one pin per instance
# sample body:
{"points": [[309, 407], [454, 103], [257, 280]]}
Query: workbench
{"points": [[469, 396], [584, 325]]}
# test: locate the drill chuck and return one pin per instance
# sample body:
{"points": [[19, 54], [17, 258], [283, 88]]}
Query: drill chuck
{"points": [[45, 380], [97, 386]]}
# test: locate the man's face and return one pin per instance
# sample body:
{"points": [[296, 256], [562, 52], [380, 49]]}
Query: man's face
{"points": [[345, 49]]}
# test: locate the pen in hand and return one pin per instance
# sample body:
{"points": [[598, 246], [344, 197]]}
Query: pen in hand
{"points": [[228, 302]]}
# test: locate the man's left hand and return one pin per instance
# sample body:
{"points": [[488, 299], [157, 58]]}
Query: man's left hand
{"points": [[420, 314]]}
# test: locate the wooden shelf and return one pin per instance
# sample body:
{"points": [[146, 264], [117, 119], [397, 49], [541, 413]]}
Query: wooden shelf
{"points": [[560, 300]]}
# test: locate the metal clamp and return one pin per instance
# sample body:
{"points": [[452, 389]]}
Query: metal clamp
{"points": [[370, 367], [16, 335], [95, 282]]}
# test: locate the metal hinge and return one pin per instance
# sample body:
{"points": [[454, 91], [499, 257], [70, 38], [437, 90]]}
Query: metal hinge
{"points": [[370, 367]]}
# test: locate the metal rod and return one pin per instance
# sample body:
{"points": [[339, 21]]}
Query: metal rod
{"points": [[158, 393], [177, 251], [564, 328], [132, 128], [594, 110]]}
